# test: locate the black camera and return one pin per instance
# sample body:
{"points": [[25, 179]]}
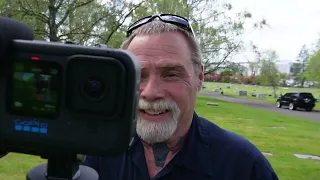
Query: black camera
{"points": [[59, 97]]}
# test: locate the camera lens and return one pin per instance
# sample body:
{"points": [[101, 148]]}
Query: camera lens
{"points": [[94, 89]]}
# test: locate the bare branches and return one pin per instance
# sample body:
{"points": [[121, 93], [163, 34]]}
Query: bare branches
{"points": [[72, 8], [91, 21], [27, 9], [212, 66], [122, 20]]}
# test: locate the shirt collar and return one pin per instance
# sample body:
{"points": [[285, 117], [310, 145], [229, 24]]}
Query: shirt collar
{"points": [[195, 154]]}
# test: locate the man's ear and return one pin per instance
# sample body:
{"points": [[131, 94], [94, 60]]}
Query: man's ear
{"points": [[200, 77]]}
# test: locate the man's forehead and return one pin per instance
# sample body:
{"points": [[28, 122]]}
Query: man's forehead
{"points": [[162, 61], [161, 50], [154, 49], [171, 42], [161, 64]]}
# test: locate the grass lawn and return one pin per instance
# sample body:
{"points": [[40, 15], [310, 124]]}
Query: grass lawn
{"points": [[210, 86], [299, 136]]}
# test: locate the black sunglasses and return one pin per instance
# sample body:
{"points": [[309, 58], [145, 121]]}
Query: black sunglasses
{"points": [[167, 18]]}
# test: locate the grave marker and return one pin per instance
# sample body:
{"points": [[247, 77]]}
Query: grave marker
{"points": [[306, 156]]}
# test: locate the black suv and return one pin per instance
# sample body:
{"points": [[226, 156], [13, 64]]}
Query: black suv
{"points": [[296, 100]]}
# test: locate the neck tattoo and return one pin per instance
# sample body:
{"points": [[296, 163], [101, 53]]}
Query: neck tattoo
{"points": [[161, 151]]}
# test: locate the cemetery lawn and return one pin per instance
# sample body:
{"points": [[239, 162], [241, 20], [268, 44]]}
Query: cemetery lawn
{"points": [[210, 86], [295, 135]]}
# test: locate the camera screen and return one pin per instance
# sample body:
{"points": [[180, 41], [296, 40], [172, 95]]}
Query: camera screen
{"points": [[35, 88]]}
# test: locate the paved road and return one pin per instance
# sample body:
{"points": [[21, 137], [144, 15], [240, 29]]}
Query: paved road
{"points": [[315, 116]]}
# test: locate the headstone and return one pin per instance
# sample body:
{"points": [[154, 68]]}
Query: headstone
{"points": [[262, 96], [267, 154], [216, 90], [306, 156], [212, 104], [243, 93], [279, 127]]}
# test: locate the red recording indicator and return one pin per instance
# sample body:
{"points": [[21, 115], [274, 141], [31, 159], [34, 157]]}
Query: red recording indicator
{"points": [[35, 58]]}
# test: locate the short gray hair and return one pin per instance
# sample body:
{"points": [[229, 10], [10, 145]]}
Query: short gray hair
{"points": [[156, 27]]}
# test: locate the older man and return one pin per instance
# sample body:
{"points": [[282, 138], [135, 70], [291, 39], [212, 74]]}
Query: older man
{"points": [[172, 141]]}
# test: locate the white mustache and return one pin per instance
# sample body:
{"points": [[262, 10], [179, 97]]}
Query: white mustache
{"points": [[161, 105], [154, 132]]}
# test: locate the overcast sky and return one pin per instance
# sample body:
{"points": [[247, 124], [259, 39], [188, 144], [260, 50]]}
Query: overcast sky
{"points": [[292, 24]]}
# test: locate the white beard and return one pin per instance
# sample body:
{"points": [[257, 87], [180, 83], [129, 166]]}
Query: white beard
{"points": [[155, 132]]}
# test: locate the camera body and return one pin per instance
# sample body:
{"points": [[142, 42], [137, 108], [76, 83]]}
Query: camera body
{"points": [[67, 97]]}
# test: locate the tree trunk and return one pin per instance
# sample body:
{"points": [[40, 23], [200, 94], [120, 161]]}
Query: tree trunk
{"points": [[274, 92], [302, 82], [9, 8]]}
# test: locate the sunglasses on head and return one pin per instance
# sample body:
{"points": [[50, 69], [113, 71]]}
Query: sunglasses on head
{"points": [[167, 18]]}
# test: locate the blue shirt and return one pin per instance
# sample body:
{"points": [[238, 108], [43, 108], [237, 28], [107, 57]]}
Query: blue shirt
{"points": [[209, 153]]}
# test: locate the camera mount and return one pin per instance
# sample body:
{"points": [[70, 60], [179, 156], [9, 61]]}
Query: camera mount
{"points": [[62, 166]]}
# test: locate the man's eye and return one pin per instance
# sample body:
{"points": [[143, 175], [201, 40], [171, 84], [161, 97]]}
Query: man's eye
{"points": [[172, 74]]}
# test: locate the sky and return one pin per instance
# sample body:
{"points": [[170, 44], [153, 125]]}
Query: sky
{"points": [[293, 23]]}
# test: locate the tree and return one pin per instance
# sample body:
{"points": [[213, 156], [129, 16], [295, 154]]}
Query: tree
{"points": [[269, 74], [254, 67], [283, 79], [84, 21], [89, 22], [312, 71], [218, 40], [235, 68], [226, 73], [6, 8], [297, 69], [214, 29]]}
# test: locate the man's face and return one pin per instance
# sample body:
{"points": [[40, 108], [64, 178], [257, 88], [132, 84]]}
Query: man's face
{"points": [[168, 85]]}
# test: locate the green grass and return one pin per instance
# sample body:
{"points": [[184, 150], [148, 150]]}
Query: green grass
{"points": [[15, 166], [300, 136], [210, 86]]}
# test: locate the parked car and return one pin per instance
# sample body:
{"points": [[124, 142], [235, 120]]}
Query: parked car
{"points": [[294, 100]]}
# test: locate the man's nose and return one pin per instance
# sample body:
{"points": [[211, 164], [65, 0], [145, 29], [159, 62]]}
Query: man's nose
{"points": [[151, 89]]}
